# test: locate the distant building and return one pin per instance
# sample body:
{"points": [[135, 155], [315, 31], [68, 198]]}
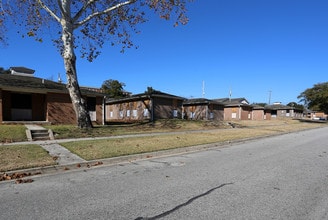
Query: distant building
{"points": [[203, 109], [143, 106], [278, 110], [21, 71], [236, 108]]}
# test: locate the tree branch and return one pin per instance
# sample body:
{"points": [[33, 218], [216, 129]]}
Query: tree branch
{"points": [[60, 5], [78, 24], [78, 15], [52, 14]]}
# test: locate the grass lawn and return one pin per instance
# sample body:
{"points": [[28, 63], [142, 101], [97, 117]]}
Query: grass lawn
{"points": [[12, 133], [16, 133], [15, 157], [98, 149], [71, 131]]}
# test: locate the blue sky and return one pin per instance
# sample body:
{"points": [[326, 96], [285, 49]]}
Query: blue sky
{"points": [[250, 47]]}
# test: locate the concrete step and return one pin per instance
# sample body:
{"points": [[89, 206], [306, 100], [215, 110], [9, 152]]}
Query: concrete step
{"points": [[40, 135], [37, 133]]}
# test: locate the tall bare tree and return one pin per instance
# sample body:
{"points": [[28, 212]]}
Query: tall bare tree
{"points": [[87, 25]]}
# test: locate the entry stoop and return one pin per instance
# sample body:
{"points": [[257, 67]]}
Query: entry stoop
{"points": [[38, 133]]}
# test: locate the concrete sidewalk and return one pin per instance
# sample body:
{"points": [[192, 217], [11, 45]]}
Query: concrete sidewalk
{"points": [[67, 159], [61, 154]]}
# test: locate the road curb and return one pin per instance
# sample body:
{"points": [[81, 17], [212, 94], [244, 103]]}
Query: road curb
{"points": [[129, 158], [48, 170]]}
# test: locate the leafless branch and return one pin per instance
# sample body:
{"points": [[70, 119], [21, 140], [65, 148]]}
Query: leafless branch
{"points": [[60, 5], [45, 7], [85, 6], [98, 13]]}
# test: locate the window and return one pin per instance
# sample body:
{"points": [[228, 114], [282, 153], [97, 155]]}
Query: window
{"points": [[21, 101], [175, 113], [21, 107], [146, 113], [211, 115], [121, 114], [127, 113], [93, 115], [234, 115], [134, 113]]}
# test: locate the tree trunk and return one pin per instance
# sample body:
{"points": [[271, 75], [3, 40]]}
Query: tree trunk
{"points": [[79, 104]]}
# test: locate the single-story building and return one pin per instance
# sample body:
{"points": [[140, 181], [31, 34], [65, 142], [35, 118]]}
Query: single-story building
{"points": [[278, 110], [203, 109], [25, 98], [320, 115], [236, 108], [314, 115], [260, 113], [145, 106]]}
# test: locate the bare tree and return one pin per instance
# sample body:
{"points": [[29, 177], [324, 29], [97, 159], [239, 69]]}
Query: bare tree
{"points": [[87, 25]]}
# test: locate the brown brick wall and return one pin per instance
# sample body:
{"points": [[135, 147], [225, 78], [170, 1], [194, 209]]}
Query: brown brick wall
{"points": [[267, 115], [53, 107], [163, 108], [258, 114], [60, 109], [195, 112], [241, 113], [202, 112], [228, 113], [218, 112], [114, 110], [246, 113]]}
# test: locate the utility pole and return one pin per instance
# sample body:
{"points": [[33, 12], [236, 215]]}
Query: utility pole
{"points": [[230, 94], [270, 97], [203, 89], [59, 78]]}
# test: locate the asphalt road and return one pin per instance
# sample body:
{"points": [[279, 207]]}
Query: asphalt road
{"points": [[282, 177]]}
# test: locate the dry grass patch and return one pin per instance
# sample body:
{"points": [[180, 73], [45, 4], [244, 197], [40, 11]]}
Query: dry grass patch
{"points": [[287, 125], [15, 157], [164, 125], [99, 149]]}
